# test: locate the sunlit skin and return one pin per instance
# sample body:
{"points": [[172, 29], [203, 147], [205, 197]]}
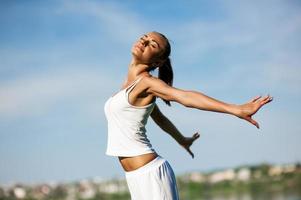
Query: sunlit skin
{"points": [[146, 52]]}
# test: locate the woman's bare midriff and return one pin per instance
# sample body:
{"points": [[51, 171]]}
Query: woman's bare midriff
{"points": [[132, 163]]}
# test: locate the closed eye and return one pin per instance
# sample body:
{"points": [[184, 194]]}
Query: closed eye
{"points": [[154, 44]]}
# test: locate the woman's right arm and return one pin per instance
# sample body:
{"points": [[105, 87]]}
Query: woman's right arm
{"points": [[195, 99]]}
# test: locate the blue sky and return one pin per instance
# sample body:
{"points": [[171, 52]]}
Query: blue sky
{"points": [[61, 60]]}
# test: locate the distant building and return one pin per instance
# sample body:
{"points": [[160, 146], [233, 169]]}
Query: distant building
{"points": [[243, 174], [109, 188], [86, 190], [197, 177], [222, 176], [289, 168], [280, 169], [19, 192], [113, 186], [275, 170], [41, 191]]}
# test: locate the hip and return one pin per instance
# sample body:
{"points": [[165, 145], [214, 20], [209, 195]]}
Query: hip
{"points": [[133, 163]]}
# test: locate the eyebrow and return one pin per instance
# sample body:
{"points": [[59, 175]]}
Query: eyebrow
{"points": [[153, 40]]}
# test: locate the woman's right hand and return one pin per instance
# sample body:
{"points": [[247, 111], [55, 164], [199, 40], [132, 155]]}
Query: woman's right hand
{"points": [[245, 111]]}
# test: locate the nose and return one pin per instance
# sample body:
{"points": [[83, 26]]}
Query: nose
{"points": [[144, 42]]}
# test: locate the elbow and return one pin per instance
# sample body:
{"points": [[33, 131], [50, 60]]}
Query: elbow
{"points": [[160, 122], [188, 105], [185, 99]]}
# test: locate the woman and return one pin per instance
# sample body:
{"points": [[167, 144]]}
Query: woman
{"points": [[148, 175]]}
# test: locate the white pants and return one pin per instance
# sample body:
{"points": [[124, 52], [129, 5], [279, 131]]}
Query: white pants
{"points": [[153, 181]]}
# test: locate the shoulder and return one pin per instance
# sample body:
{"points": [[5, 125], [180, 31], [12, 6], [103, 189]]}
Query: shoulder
{"points": [[159, 88], [150, 84], [152, 81]]}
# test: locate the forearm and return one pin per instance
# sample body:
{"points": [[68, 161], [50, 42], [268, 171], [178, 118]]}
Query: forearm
{"points": [[201, 101], [166, 125]]}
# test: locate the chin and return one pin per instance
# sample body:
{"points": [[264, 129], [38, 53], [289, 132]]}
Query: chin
{"points": [[136, 53]]}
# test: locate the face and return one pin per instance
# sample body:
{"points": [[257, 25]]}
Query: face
{"points": [[149, 48]]}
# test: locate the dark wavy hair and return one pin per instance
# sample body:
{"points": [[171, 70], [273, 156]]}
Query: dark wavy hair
{"points": [[165, 72]]}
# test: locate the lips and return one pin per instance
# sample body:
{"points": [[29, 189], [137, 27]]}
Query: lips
{"points": [[139, 48]]}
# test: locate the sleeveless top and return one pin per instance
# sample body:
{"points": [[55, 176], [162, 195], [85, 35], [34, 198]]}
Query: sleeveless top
{"points": [[126, 125]]}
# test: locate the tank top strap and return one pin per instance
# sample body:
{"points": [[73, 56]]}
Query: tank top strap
{"points": [[130, 88]]}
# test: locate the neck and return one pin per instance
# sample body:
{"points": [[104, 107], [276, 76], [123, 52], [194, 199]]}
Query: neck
{"points": [[136, 68]]}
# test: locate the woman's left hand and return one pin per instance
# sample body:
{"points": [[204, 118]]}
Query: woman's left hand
{"points": [[250, 108], [187, 142]]}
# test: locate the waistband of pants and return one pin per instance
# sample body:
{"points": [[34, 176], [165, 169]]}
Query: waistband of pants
{"points": [[147, 167]]}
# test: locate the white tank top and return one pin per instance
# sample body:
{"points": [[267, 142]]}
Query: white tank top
{"points": [[126, 125]]}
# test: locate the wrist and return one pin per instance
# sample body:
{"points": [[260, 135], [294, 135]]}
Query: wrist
{"points": [[234, 109], [181, 140]]}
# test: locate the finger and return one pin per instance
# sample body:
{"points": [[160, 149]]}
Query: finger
{"points": [[190, 152], [196, 136], [255, 98], [267, 97], [266, 100], [253, 122]]}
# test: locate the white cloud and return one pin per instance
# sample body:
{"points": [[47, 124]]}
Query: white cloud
{"points": [[116, 20], [257, 45], [37, 94], [243, 28]]}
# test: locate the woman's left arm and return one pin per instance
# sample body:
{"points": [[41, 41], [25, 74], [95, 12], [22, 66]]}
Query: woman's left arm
{"points": [[166, 125]]}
